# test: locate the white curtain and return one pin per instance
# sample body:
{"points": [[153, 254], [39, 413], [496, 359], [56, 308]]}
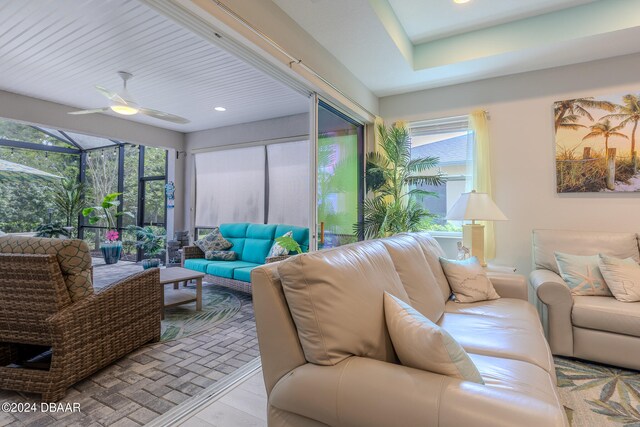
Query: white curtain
{"points": [[230, 186], [289, 183]]}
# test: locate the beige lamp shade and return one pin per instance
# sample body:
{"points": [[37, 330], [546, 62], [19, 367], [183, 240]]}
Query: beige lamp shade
{"points": [[475, 207]]}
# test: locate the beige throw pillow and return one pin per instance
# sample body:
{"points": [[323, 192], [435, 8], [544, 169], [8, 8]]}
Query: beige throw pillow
{"points": [[622, 277], [468, 280], [422, 344]]}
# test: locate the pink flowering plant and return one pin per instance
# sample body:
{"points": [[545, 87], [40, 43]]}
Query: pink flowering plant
{"points": [[107, 211], [112, 236]]}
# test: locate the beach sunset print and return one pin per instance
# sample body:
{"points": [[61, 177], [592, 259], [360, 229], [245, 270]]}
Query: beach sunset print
{"points": [[596, 144]]}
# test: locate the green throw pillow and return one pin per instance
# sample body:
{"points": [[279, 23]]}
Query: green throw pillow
{"points": [[221, 255], [213, 242], [277, 250]]}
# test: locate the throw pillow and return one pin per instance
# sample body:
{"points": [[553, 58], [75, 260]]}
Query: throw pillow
{"points": [[213, 242], [622, 277], [276, 249], [221, 255], [468, 280], [421, 344], [582, 274]]}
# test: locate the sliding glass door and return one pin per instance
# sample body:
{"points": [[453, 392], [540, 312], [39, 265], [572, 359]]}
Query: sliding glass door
{"points": [[339, 177]]}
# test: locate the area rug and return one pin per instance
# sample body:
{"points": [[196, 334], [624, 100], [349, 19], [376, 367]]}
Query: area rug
{"points": [[218, 305], [598, 395]]}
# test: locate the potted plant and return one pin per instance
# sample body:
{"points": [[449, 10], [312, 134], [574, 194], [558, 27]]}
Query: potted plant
{"points": [[111, 247], [393, 178], [52, 230], [151, 241]]}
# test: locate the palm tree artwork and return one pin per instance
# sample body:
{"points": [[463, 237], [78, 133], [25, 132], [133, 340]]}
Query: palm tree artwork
{"points": [[604, 129], [568, 112], [629, 112]]}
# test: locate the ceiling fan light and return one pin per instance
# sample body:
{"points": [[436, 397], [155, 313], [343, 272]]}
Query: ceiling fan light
{"points": [[125, 110]]}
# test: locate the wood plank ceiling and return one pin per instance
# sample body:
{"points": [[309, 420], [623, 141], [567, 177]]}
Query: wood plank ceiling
{"points": [[57, 50]]}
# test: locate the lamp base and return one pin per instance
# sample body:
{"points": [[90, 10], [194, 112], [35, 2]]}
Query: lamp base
{"points": [[473, 238]]}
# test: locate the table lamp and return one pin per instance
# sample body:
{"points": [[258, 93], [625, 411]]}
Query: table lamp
{"points": [[475, 207]]}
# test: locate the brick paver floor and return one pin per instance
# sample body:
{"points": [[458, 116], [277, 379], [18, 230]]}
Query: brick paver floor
{"points": [[152, 380]]}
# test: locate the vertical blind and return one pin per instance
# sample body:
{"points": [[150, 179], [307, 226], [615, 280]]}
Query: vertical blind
{"points": [[230, 186], [257, 184]]}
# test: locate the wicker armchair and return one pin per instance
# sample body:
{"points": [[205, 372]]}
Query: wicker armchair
{"points": [[51, 338]]}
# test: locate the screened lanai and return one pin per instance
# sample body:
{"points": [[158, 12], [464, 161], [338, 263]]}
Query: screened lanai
{"points": [[47, 176]]}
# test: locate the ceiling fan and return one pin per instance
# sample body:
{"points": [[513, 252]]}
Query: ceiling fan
{"points": [[122, 103]]}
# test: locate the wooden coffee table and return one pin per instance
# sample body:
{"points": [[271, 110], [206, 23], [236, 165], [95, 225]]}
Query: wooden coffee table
{"points": [[175, 275]]}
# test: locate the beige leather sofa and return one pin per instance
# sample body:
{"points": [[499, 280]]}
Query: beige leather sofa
{"points": [[596, 328], [361, 382]]}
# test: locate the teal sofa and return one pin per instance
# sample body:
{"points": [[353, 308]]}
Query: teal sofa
{"points": [[251, 243]]}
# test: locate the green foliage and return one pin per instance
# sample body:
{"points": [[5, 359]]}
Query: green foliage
{"points": [[428, 224], [67, 197], [107, 210], [53, 230], [150, 239], [289, 244], [393, 207]]}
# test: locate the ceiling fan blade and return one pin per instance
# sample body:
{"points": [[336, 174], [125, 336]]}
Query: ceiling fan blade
{"points": [[164, 116], [95, 110], [113, 96]]}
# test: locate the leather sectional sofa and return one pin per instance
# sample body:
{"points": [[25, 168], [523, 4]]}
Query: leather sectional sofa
{"points": [[361, 383], [597, 328]]}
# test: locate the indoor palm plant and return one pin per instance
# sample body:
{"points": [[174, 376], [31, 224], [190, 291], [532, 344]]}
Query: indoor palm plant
{"points": [[393, 177], [152, 241], [111, 247]]}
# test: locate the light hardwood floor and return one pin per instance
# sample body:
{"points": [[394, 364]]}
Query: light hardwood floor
{"points": [[243, 406]]}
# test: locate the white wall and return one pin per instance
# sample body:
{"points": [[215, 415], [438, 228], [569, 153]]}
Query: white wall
{"points": [[281, 128], [522, 138]]}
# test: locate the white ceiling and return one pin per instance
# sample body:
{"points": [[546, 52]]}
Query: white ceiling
{"points": [[57, 50], [450, 43], [433, 19]]}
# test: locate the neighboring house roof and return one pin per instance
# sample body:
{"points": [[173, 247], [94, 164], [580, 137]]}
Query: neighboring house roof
{"points": [[450, 151]]}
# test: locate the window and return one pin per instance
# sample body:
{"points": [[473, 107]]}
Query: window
{"points": [[451, 141]]}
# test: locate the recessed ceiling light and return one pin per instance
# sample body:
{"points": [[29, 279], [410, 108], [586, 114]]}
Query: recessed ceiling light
{"points": [[220, 109], [461, 1]]}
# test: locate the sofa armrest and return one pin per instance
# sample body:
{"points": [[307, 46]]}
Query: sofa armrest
{"points": [[555, 294], [190, 252], [111, 323], [368, 392], [509, 285]]}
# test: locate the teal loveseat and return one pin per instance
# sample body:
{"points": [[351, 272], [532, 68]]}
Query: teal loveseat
{"points": [[251, 243]]}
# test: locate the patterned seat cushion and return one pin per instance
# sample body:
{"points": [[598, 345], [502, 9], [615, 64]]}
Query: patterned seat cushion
{"points": [[73, 256]]}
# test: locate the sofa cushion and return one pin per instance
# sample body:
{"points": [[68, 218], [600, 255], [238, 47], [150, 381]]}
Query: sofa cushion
{"points": [[606, 314], [416, 276], [226, 268], [546, 242], [422, 344], [221, 255], [244, 273], [336, 301], [300, 234], [433, 252], [258, 242], [504, 308], [234, 230], [522, 377], [622, 277], [197, 264], [73, 257], [468, 280], [519, 339]]}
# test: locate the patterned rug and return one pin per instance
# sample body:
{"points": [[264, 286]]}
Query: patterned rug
{"points": [[218, 305], [598, 395]]}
